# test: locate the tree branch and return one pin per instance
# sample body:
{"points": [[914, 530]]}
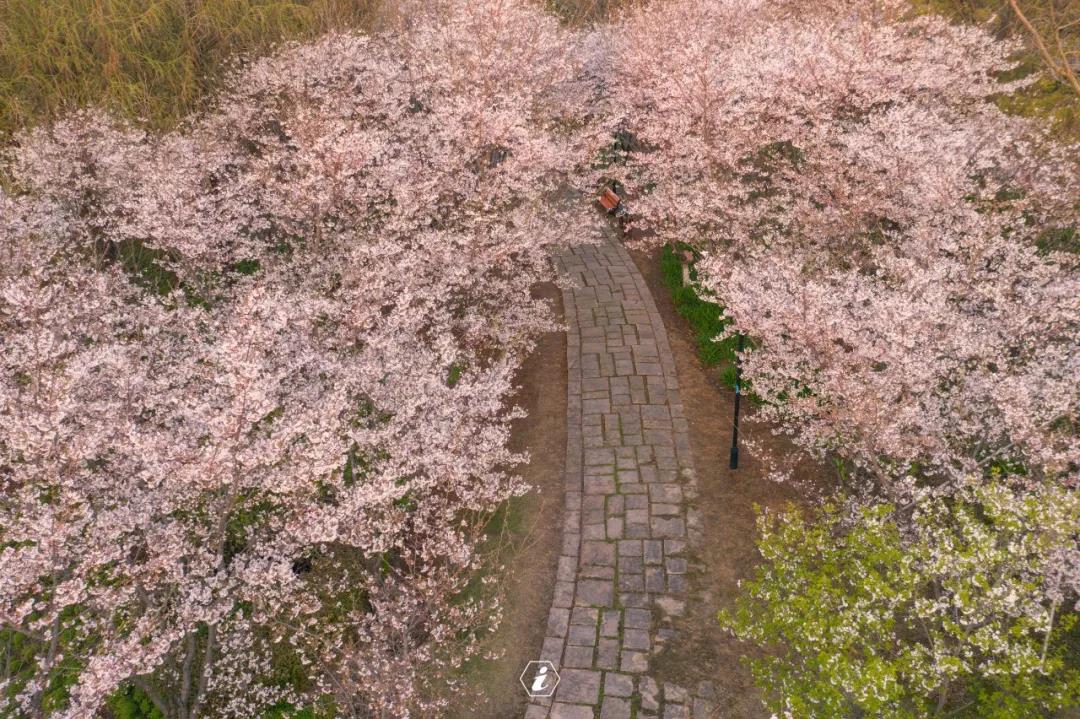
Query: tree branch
{"points": [[204, 676], [1064, 72]]}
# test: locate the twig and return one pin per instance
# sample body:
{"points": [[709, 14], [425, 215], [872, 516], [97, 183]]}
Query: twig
{"points": [[1064, 72]]}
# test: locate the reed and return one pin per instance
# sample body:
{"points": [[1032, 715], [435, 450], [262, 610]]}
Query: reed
{"points": [[149, 60], [588, 12]]}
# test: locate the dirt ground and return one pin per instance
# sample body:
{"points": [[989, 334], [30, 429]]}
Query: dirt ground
{"points": [[701, 651], [491, 689]]}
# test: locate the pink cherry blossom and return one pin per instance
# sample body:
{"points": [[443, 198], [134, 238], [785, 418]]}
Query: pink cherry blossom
{"points": [[287, 424]]}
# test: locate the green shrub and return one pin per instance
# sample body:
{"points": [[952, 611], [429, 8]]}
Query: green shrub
{"points": [[705, 317], [947, 618], [132, 703]]}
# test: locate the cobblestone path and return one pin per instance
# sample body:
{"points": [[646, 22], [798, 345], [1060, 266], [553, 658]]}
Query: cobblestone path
{"points": [[629, 503]]}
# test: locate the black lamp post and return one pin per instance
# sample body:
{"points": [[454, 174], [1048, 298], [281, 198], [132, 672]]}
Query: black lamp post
{"points": [[738, 396]]}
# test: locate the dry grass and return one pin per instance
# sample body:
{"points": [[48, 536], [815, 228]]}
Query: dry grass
{"points": [[587, 12], [150, 60], [155, 60], [1053, 26]]}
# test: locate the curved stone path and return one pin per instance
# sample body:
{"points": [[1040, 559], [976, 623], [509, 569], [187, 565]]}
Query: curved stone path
{"points": [[629, 492]]}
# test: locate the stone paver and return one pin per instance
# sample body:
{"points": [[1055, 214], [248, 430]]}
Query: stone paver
{"points": [[630, 486]]}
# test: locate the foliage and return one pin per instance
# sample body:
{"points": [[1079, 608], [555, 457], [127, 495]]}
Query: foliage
{"points": [[1047, 99], [945, 618], [148, 61], [17, 657], [1059, 239], [131, 703]]}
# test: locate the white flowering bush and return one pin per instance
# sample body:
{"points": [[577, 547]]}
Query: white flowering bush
{"points": [[961, 614]]}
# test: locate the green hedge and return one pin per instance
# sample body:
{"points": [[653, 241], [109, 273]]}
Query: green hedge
{"points": [[704, 317]]}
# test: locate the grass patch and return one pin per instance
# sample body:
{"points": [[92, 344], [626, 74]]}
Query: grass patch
{"points": [[1048, 99], [131, 703], [588, 12], [504, 532], [1059, 239], [703, 315], [152, 61]]}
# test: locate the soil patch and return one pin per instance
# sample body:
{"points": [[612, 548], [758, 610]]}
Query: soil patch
{"points": [[533, 530]]}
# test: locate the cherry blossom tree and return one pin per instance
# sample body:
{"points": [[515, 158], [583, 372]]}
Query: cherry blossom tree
{"points": [[257, 373], [873, 219], [892, 244]]}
